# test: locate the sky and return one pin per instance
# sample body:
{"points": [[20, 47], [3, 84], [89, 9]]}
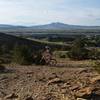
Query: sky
{"points": [[35, 12]]}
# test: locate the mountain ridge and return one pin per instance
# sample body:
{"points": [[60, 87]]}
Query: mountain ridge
{"points": [[51, 26]]}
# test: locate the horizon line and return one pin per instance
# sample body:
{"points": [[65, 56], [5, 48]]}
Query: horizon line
{"points": [[29, 25]]}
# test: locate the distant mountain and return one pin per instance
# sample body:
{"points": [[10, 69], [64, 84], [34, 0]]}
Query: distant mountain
{"points": [[62, 26], [51, 26], [6, 26]]}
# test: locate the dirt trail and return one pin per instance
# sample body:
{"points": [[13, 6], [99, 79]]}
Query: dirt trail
{"points": [[46, 83]]}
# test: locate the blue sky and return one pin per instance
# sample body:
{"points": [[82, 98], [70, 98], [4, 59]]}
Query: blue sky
{"points": [[33, 12]]}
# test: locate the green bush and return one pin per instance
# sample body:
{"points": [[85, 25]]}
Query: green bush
{"points": [[22, 55], [78, 50], [78, 54], [94, 54]]}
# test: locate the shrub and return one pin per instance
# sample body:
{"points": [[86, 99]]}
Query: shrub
{"points": [[94, 54], [22, 55], [78, 50], [78, 54]]}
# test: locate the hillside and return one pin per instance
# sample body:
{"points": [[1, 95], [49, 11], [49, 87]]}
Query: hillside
{"points": [[9, 41]]}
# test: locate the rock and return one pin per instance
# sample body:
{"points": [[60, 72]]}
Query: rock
{"points": [[29, 98], [63, 91], [95, 79], [74, 87], [1, 98], [55, 80], [52, 76], [81, 99], [65, 85], [49, 96], [30, 72], [65, 98], [84, 92], [83, 71], [11, 96]]}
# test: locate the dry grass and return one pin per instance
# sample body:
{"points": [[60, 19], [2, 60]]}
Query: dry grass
{"points": [[74, 63]]}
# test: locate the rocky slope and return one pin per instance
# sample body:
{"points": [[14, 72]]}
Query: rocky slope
{"points": [[49, 83]]}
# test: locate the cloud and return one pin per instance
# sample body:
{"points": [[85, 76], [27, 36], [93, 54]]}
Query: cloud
{"points": [[82, 12]]}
